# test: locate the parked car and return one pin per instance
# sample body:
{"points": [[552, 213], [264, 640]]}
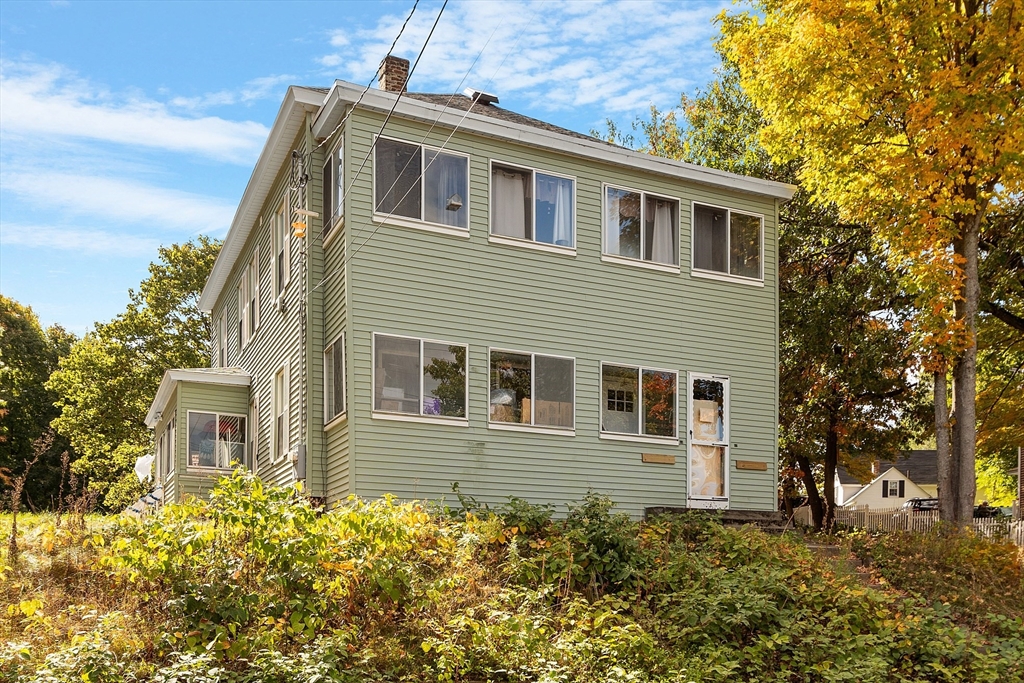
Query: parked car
{"points": [[920, 505]]}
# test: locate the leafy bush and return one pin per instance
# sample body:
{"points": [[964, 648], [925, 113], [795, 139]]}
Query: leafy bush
{"points": [[980, 579], [256, 585]]}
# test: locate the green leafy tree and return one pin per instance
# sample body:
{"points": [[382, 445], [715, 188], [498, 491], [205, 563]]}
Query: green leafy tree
{"points": [[107, 382], [909, 117], [847, 391], [28, 354]]}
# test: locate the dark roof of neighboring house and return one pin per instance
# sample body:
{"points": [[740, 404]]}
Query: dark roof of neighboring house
{"points": [[463, 103], [920, 467]]}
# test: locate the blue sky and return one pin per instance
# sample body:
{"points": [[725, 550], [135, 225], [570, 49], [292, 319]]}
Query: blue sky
{"points": [[124, 125]]}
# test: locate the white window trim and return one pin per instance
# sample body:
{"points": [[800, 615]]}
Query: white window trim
{"points": [[222, 338], [420, 417], [714, 274], [405, 221], [276, 457], [531, 427], [709, 502], [332, 224], [626, 436], [338, 344], [625, 260], [217, 415], [281, 232], [506, 241], [523, 242], [253, 444], [637, 263], [254, 296]]}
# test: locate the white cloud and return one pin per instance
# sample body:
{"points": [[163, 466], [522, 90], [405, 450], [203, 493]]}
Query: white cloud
{"points": [[90, 242], [49, 101], [614, 55], [256, 89], [121, 200]]}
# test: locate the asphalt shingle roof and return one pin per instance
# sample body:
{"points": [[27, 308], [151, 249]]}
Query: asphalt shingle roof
{"points": [[921, 467], [463, 103]]}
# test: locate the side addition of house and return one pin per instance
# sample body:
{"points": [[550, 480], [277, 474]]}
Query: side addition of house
{"points": [[422, 289]]}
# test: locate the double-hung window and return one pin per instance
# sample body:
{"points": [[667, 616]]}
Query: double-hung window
{"points": [[281, 257], [333, 191], [419, 377], [531, 205], [279, 427], [334, 379], [249, 300], [641, 226], [532, 389], [727, 241], [215, 440], [254, 433], [222, 340], [638, 401], [422, 183]]}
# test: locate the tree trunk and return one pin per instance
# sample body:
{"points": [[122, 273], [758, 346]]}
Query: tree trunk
{"points": [[813, 497], [831, 461], [948, 474], [964, 413]]}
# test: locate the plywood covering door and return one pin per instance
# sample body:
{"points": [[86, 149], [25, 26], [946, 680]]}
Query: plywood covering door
{"points": [[708, 427]]}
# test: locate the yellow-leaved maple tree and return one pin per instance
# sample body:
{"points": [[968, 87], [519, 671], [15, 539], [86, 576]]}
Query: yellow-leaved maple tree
{"points": [[906, 114]]}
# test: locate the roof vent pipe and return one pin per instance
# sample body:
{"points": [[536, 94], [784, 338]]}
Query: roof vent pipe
{"points": [[393, 74]]}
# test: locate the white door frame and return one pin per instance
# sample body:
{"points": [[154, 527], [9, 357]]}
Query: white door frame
{"points": [[708, 502]]}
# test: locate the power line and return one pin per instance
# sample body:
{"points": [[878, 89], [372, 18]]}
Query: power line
{"points": [[392, 111], [368, 85], [378, 225]]}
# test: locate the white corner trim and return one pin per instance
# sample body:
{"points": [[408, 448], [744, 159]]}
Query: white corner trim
{"points": [[423, 419], [533, 429], [722, 277], [660, 440], [506, 241], [638, 263]]}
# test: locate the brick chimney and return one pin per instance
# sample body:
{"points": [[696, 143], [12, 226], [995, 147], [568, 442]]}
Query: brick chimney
{"points": [[393, 74]]}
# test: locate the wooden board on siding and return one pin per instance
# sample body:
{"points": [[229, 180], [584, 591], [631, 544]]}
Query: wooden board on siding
{"points": [[658, 458], [751, 465]]}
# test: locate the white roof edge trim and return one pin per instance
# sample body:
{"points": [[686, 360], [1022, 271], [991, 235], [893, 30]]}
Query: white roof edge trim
{"points": [[347, 93], [172, 377], [297, 102]]}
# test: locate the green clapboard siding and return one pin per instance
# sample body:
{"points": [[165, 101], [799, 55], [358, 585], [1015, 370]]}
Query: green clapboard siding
{"points": [[405, 281], [203, 397]]}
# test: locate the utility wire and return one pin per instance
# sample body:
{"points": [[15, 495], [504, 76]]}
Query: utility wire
{"points": [[378, 225], [368, 85], [392, 111]]}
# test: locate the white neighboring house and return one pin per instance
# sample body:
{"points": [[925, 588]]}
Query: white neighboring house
{"points": [[913, 475]]}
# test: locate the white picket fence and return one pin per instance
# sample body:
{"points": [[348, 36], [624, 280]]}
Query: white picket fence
{"points": [[900, 520]]}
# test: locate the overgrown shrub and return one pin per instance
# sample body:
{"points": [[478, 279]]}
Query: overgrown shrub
{"points": [[258, 586], [980, 579]]}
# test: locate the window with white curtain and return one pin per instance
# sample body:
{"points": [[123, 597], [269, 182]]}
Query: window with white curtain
{"points": [[641, 226], [422, 183], [727, 241], [533, 205]]}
